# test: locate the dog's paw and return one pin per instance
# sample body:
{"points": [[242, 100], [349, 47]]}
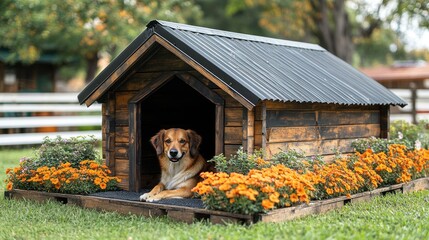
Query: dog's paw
{"points": [[144, 197], [153, 199]]}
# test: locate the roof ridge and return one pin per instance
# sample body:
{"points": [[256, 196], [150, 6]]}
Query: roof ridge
{"points": [[234, 35]]}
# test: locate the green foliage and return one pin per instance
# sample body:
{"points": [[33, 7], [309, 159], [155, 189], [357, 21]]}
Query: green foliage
{"points": [[81, 29], [411, 132], [55, 151], [242, 162], [379, 144], [296, 160]]}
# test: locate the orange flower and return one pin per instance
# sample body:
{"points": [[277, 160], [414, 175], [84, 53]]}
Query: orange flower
{"points": [[103, 186], [97, 181], [294, 198], [267, 204], [274, 197], [9, 186], [54, 181]]}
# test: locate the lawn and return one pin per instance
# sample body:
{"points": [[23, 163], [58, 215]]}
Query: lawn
{"points": [[401, 216]]}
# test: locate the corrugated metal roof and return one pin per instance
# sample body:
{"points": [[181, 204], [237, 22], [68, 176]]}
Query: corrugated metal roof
{"points": [[260, 68]]}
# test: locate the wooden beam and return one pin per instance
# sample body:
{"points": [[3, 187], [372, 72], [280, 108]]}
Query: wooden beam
{"points": [[118, 73]]}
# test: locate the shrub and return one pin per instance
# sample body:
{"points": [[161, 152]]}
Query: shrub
{"points": [[58, 150], [242, 162], [379, 144], [411, 132]]}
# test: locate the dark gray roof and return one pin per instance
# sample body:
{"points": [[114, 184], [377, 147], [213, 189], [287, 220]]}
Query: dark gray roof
{"points": [[260, 68]]}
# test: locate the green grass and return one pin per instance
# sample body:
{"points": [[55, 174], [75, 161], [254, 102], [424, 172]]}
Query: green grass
{"points": [[401, 216]]}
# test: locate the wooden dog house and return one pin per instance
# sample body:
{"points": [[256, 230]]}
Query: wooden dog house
{"points": [[234, 90]]}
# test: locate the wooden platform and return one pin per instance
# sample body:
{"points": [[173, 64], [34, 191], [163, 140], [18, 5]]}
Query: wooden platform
{"points": [[189, 214]]}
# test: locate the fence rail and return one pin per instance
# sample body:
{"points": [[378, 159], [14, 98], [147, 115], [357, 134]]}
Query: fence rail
{"points": [[26, 118], [417, 108]]}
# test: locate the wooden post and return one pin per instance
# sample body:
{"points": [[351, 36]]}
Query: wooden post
{"points": [[250, 130], [384, 122], [413, 102]]}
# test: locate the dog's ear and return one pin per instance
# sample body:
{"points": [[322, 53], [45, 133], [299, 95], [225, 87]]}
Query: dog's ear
{"points": [[194, 142], [158, 142]]}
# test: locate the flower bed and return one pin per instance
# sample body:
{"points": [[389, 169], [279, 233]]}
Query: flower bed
{"points": [[89, 177], [279, 186]]}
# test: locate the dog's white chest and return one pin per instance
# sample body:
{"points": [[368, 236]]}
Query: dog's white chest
{"points": [[175, 176]]}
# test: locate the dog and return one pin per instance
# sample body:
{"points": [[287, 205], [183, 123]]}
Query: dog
{"points": [[180, 161]]}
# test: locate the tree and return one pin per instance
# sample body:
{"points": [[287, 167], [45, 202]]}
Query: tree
{"points": [[83, 28], [334, 24]]}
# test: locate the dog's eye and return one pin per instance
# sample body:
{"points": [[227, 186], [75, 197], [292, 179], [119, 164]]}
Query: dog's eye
{"points": [[182, 141], [168, 141]]}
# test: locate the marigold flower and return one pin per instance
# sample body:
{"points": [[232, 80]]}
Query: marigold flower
{"points": [[267, 204], [97, 181], [9, 186], [103, 186], [294, 198], [54, 181]]}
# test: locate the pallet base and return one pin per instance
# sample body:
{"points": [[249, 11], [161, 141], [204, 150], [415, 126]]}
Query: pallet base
{"points": [[189, 215]]}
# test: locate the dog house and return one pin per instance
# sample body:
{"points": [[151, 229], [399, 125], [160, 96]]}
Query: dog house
{"points": [[234, 90]]}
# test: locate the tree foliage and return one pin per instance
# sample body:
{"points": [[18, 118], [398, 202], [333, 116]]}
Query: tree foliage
{"points": [[81, 28]]}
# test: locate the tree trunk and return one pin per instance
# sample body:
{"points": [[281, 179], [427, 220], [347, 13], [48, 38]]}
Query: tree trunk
{"points": [[91, 66], [333, 28]]}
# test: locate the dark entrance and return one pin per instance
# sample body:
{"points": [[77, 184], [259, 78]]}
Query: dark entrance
{"points": [[174, 105]]}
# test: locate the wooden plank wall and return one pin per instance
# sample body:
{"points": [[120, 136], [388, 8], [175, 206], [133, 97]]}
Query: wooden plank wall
{"points": [[318, 128]]}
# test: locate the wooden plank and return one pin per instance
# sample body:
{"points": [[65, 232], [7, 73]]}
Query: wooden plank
{"points": [[288, 134], [164, 60], [233, 135], [122, 99], [182, 216], [46, 121], [416, 185], [280, 118], [125, 183], [121, 150], [231, 149], [234, 117], [122, 118], [56, 97], [276, 105], [37, 138], [138, 81], [122, 134], [120, 206], [51, 107], [319, 147], [346, 117], [122, 167], [350, 131]]}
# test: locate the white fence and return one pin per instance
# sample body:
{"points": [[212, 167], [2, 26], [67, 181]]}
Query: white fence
{"points": [[421, 109], [25, 117]]}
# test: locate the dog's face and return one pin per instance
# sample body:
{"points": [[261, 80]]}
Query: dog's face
{"points": [[175, 143]]}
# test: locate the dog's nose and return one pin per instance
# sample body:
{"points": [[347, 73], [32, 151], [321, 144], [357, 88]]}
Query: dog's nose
{"points": [[173, 152]]}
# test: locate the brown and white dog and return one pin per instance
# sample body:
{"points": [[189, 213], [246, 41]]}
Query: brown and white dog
{"points": [[180, 161]]}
